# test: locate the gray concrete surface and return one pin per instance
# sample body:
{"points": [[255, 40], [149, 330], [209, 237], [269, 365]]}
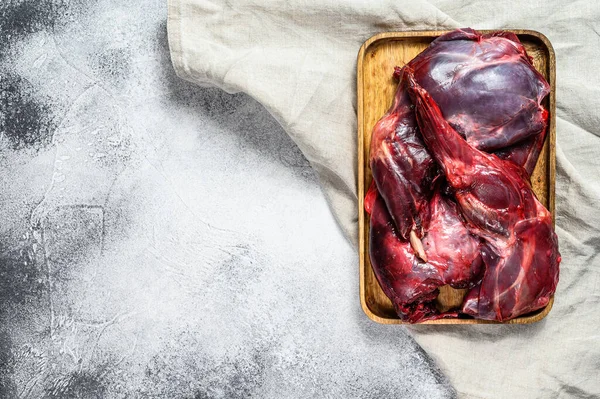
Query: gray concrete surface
{"points": [[160, 240]]}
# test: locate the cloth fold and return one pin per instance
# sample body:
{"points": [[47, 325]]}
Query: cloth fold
{"points": [[300, 63]]}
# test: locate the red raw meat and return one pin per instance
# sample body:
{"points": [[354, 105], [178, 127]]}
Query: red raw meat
{"points": [[485, 85], [466, 72], [402, 167], [411, 284], [520, 249]]}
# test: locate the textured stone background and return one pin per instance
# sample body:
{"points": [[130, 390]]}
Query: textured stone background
{"points": [[164, 240]]}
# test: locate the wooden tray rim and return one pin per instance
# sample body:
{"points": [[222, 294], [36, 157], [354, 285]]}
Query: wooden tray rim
{"points": [[361, 167]]}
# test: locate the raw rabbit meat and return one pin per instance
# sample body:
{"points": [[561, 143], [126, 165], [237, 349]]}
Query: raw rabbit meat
{"points": [[520, 248], [489, 93]]}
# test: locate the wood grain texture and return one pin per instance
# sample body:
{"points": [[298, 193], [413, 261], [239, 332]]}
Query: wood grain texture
{"points": [[375, 90]]}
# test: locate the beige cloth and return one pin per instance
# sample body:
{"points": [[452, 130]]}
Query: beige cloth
{"points": [[299, 61]]}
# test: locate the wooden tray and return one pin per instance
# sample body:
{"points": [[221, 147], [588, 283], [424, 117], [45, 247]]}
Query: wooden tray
{"points": [[375, 91]]}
